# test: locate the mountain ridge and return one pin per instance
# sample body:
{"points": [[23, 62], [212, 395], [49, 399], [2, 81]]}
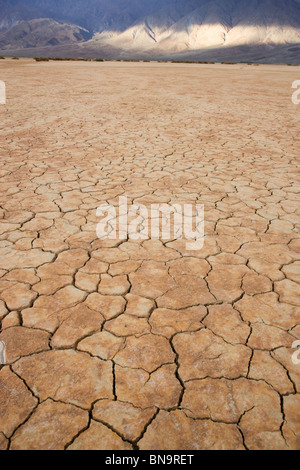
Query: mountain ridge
{"points": [[152, 28]]}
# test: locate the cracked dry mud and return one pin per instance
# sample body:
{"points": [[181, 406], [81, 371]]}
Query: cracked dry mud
{"points": [[143, 344]]}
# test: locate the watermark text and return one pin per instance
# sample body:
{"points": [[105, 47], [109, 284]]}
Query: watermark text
{"points": [[296, 94], [2, 92], [157, 222], [2, 353], [296, 355]]}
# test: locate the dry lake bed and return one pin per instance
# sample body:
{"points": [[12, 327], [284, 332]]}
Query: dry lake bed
{"points": [[144, 344]]}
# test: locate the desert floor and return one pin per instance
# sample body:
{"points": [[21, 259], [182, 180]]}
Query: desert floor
{"points": [[143, 344]]}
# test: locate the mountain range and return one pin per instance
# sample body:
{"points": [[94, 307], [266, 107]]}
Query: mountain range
{"points": [[256, 30]]}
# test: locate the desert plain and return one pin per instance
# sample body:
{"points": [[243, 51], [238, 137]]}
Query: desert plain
{"points": [[143, 344]]}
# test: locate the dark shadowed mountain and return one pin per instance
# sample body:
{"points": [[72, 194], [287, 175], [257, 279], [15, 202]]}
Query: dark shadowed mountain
{"points": [[94, 15], [153, 28]]}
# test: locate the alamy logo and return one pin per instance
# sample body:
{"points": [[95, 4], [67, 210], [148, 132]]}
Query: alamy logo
{"points": [[2, 92], [296, 94], [296, 355], [159, 222], [2, 353]]}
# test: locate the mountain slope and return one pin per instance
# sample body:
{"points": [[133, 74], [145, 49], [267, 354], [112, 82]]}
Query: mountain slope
{"points": [[214, 23], [41, 32], [150, 28], [94, 15]]}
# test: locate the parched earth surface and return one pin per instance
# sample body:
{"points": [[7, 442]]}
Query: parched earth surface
{"points": [[142, 344]]}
